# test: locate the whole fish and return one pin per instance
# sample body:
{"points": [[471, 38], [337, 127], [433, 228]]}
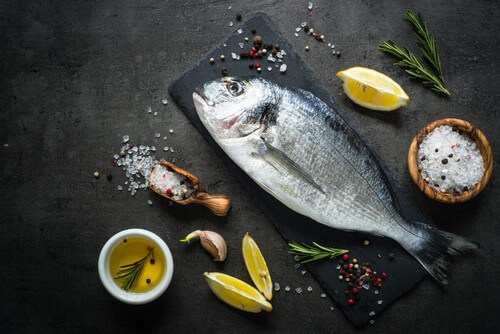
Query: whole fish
{"points": [[303, 153]]}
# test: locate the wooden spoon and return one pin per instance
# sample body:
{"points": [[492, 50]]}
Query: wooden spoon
{"points": [[218, 204]]}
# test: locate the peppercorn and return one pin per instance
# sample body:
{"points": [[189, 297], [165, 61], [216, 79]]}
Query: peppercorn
{"points": [[355, 290], [346, 291], [306, 47], [152, 261], [422, 158], [306, 29], [366, 242], [244, 55], [443, 177], [341, 277], [436, 150], [96, 174], [351, 301], [253, 31], [311, 31], [264, 51], [222, 57], [224, 71], [317, 37], [450, 155], [345, 256], [338, 54], [257, 64], [259, 69], [274, 52], [356, 266], [246, 39], [267, 46], [238, 17], [109, 177], [122, 153], [257, 40], [354, 260], [250, 65], [148, 281], [391, 256], [277, 46], [384, 274], [347, 279], [454, 128], [444, 161]]}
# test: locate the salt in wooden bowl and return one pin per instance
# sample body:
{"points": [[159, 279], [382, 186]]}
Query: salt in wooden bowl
{"points": [[481, 143]]}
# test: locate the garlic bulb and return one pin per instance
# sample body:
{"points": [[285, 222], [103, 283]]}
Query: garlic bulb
{"points": [[213, 243]]}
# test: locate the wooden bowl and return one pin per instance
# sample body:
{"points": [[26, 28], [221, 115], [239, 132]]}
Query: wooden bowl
{"points": [[481, 143]]}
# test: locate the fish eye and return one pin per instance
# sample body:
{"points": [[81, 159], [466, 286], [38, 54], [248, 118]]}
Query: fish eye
{"points": [[234, 87]]}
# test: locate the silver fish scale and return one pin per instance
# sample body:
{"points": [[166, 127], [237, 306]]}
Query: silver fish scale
{"points": [[308, 132]]}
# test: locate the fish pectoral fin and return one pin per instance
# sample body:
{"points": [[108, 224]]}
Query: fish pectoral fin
{"points": [[282, 163]]}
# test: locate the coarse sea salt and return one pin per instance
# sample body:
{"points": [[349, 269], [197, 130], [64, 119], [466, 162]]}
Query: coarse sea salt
{"points": [[171, 183], [449, 161]]}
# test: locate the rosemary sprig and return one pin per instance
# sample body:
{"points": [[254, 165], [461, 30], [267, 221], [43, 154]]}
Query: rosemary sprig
{"points": [[307, 253], [413, 67], [130, 272], [426, 42]]}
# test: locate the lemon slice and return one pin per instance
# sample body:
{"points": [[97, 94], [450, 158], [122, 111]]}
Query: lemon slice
{"points": [[257, 267], [237, 293], [372, 89]]}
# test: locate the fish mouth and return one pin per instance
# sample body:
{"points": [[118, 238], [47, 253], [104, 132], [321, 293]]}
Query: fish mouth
{"points": [[201, 93]]}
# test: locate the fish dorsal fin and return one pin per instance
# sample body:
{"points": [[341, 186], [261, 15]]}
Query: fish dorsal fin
{"points": [[282, 163]]}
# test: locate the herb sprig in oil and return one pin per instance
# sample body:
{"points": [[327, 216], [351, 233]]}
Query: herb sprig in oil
{"points": [[130, 272]]}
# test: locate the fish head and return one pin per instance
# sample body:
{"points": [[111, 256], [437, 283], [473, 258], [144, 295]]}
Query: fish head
{"points": [[233, 107]]}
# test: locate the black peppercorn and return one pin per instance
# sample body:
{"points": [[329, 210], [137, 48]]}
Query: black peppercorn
{"points": [[152, 261], [436, 150], [250, 65], [450, 155], [338, 54], [253, 31], [422, 158], [224, 71], [454, 128], [443, 177], [444, 161], [109, 177], [148, 281], [277, 46], [306, 29], [238, 17]]}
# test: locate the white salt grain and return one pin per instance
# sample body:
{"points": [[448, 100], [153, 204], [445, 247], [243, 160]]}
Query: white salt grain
{"points": [[125, 139], [298, 290], [164, 102], [287, 288], [276, 286], [323, 295], [449, 161]]}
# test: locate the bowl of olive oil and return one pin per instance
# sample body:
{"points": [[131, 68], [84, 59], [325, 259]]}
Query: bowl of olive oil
{"points": [[136, 266]]}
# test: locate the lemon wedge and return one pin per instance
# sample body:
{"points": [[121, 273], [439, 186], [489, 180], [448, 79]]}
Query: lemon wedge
{"points": [[372, 89], [257, 267], [237, 293]]}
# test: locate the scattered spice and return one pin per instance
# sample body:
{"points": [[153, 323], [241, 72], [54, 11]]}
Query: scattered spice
{"points": [[222, 57], [212, 60], [109, 177], [96, 174], [238, 17]]}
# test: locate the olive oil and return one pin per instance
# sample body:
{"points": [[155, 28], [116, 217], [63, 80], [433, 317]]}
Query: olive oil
{"points": [[133, 253]]}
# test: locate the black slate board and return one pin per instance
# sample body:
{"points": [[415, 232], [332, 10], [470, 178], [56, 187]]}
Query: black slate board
{"points": [[403, 273]]}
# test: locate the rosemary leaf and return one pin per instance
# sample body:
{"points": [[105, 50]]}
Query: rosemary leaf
{"points": [[426, 42], [413, 67], [307, 253]]}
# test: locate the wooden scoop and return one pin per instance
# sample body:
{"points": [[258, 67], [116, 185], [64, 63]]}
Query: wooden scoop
{"points": [[218, 204]]}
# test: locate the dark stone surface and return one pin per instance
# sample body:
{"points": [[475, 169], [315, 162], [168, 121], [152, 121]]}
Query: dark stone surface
{"points": [[76, 76]]}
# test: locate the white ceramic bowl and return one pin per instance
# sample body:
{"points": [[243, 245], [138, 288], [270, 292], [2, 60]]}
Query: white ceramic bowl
{"points": [[107, 278]]}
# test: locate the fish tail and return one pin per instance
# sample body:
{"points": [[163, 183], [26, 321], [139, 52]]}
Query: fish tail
{"points": [[432, 248]]}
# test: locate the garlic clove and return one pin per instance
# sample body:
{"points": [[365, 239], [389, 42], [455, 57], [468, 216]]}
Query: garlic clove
{"points": [[213, 243]]}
